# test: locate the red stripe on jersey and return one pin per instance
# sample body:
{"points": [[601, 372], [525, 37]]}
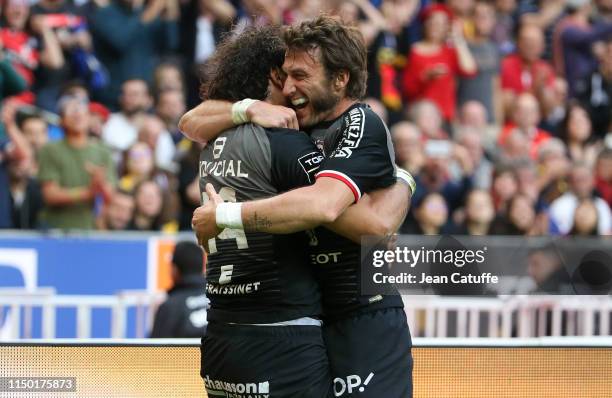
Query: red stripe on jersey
{"points": [[344, 178]]}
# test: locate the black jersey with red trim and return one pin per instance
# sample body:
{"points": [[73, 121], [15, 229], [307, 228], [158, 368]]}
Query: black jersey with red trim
{"points": [[359, 153], [258, 277]]}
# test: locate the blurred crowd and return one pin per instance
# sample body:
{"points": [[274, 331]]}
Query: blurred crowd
{"points": [[501, 109]]}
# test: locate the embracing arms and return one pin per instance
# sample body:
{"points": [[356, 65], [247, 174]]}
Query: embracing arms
{"points": [[209, 119]]}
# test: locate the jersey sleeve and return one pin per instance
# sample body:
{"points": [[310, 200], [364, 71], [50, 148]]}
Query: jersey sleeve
{"points": [[362, 157], [295, 159]]}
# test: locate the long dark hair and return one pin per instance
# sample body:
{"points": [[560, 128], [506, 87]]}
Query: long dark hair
{"points": [[241, 65]]}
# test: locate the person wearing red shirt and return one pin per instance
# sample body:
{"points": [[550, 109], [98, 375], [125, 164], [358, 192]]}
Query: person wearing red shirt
{"points": [[525, 71], [525, 120], [433, 65], [24, 50]]}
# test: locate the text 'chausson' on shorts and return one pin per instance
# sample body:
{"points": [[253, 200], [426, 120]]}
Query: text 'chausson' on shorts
{"points": [[248, 361]]}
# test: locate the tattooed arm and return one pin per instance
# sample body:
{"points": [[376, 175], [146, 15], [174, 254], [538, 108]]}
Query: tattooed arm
{"points": [[296, 210]]}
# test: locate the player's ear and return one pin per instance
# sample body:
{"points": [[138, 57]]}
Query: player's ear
{"points": [[341, 79]]}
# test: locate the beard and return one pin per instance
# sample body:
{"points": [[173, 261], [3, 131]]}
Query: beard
{"points": [[323, 101]]}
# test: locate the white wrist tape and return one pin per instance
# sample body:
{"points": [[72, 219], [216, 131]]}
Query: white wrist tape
{"points": [[229, 215], [406, 177], [239, 109]]}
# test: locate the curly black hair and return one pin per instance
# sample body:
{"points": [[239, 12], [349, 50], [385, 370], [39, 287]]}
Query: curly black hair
{"points": [[241, 65]]}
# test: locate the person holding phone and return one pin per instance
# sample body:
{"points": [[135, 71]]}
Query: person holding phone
{"points": [[433, 63]]}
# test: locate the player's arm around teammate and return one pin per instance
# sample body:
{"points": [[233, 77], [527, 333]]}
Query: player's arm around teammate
{"points": [[207, 120]]}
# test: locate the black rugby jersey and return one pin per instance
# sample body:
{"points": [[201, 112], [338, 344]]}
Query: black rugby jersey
{"points": [[259, 277], [359, 153]]}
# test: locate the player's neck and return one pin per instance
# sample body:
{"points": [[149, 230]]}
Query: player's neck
{"points": [[341, 107]]}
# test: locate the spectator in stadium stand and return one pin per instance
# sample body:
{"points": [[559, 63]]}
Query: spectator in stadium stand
{"points": [[582, 184], [122, 128], [380, 29], [585, 219], [139, 166], [473, 115], [435, 175], [430, 216], [167, 77], [202, 24], [74, 172], [471, 140], [34, 128], [520, 219], [25, 194], [117, 214], [99, 117], [427, 117], [555, 113], [504, 187], [189, 184], [153, 133], [553, 168], [506, 19], [408, 145], [596, 92], [577, 134], [13, 148], [603, 175], [544, 14], [483, 87], [525, 119], [170, 106], [27, 201], [75, 88], [129, 41], [70, 27], [527, 178], [433, 65], [148, 198], [378, 108], [516, 146], [479, 214], [545, 267], [462, 11], [525, 71], [28, 46], [183, 314], [573, 41], [526, 173]]}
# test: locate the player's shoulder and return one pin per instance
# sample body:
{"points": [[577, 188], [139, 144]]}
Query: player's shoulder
{"points": [[371, 116], [360, 119], [284, 136], [248, 128], [361, 111], [280, 131]]}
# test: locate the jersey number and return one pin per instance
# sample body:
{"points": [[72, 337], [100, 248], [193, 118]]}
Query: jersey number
{"points": [[228, 195]]}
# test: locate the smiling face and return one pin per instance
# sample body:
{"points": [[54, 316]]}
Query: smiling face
{"points": [[308, 87]]}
